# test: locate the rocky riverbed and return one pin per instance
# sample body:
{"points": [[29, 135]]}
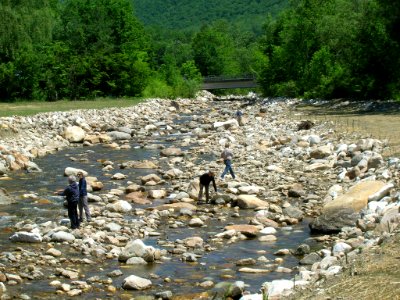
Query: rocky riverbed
{"points": [[287, 175]]}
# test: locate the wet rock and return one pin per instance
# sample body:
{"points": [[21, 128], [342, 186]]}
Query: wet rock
{"points": [[247, 230], [136, 283], [118, 135], [253, 270], [268, 230], [302, 250], [164, 295], [246, 262], [267, 238], [67, 273], [115, 273], [136, 261], [193, 242]]}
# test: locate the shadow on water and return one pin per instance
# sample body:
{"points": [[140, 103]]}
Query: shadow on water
{"points": [[217, 265]]}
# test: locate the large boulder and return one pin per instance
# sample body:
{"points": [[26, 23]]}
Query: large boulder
{"points": [[74, 134], [26, 237], [344, 210], [356, 198], [250, 201], [334, 221]]}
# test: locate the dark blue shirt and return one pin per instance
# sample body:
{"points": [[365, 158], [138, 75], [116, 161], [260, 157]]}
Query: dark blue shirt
{"points": [[71, 192], [82, 187]]}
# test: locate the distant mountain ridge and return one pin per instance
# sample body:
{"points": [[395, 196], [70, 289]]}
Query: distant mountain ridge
{"points": [[192, 14]]}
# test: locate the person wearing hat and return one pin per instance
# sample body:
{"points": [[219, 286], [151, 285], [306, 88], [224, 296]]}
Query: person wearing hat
{"points": [[205, 181], [83, 199], [71, 193]]}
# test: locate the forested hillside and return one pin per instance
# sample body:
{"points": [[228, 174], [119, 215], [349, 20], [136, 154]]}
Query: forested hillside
{"points": [[83, 49], [192, 14]]}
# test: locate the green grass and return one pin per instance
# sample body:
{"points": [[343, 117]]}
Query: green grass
{"points": [[31, 108]]}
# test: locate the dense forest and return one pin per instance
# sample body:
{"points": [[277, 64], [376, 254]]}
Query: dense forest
{"points": [[191, 15], [83, 49]]}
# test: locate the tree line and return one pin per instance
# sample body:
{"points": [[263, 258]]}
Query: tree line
{"points": [[83, 49]]}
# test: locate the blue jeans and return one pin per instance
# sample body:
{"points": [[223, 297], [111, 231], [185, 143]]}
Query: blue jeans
{"points": [[228, 168]]}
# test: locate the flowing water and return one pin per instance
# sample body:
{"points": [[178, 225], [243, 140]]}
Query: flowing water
{"points": [[215, 265]]}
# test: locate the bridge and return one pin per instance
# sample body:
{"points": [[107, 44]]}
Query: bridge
{"points": [[225, 82]]}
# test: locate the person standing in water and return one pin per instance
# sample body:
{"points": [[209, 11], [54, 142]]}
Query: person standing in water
{"points": [[71, 193], [83, 199], [205, 181]]}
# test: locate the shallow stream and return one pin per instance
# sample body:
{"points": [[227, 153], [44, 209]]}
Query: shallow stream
{"points": [[218, 265]]}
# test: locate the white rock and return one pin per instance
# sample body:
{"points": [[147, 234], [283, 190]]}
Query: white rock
{"points": [[62, 236], [136, 283], [74, 134], [26, 237], [268, 230], [340, 247], [381, 193], [120, 206]]}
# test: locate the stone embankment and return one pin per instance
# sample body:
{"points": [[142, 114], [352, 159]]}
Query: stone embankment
{"points": [[284, 175]]}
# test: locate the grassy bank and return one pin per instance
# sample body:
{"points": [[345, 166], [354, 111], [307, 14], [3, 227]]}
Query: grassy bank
{"points": [[31, 108], [373, 275]]}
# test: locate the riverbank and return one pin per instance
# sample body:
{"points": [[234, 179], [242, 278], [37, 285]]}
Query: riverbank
{"points": [[286, 174]]}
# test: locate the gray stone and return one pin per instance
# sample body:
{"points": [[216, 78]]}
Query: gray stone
{"points": [[118, 135], [334, 222], [62, 236], [310, 259], [293, 212]]}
